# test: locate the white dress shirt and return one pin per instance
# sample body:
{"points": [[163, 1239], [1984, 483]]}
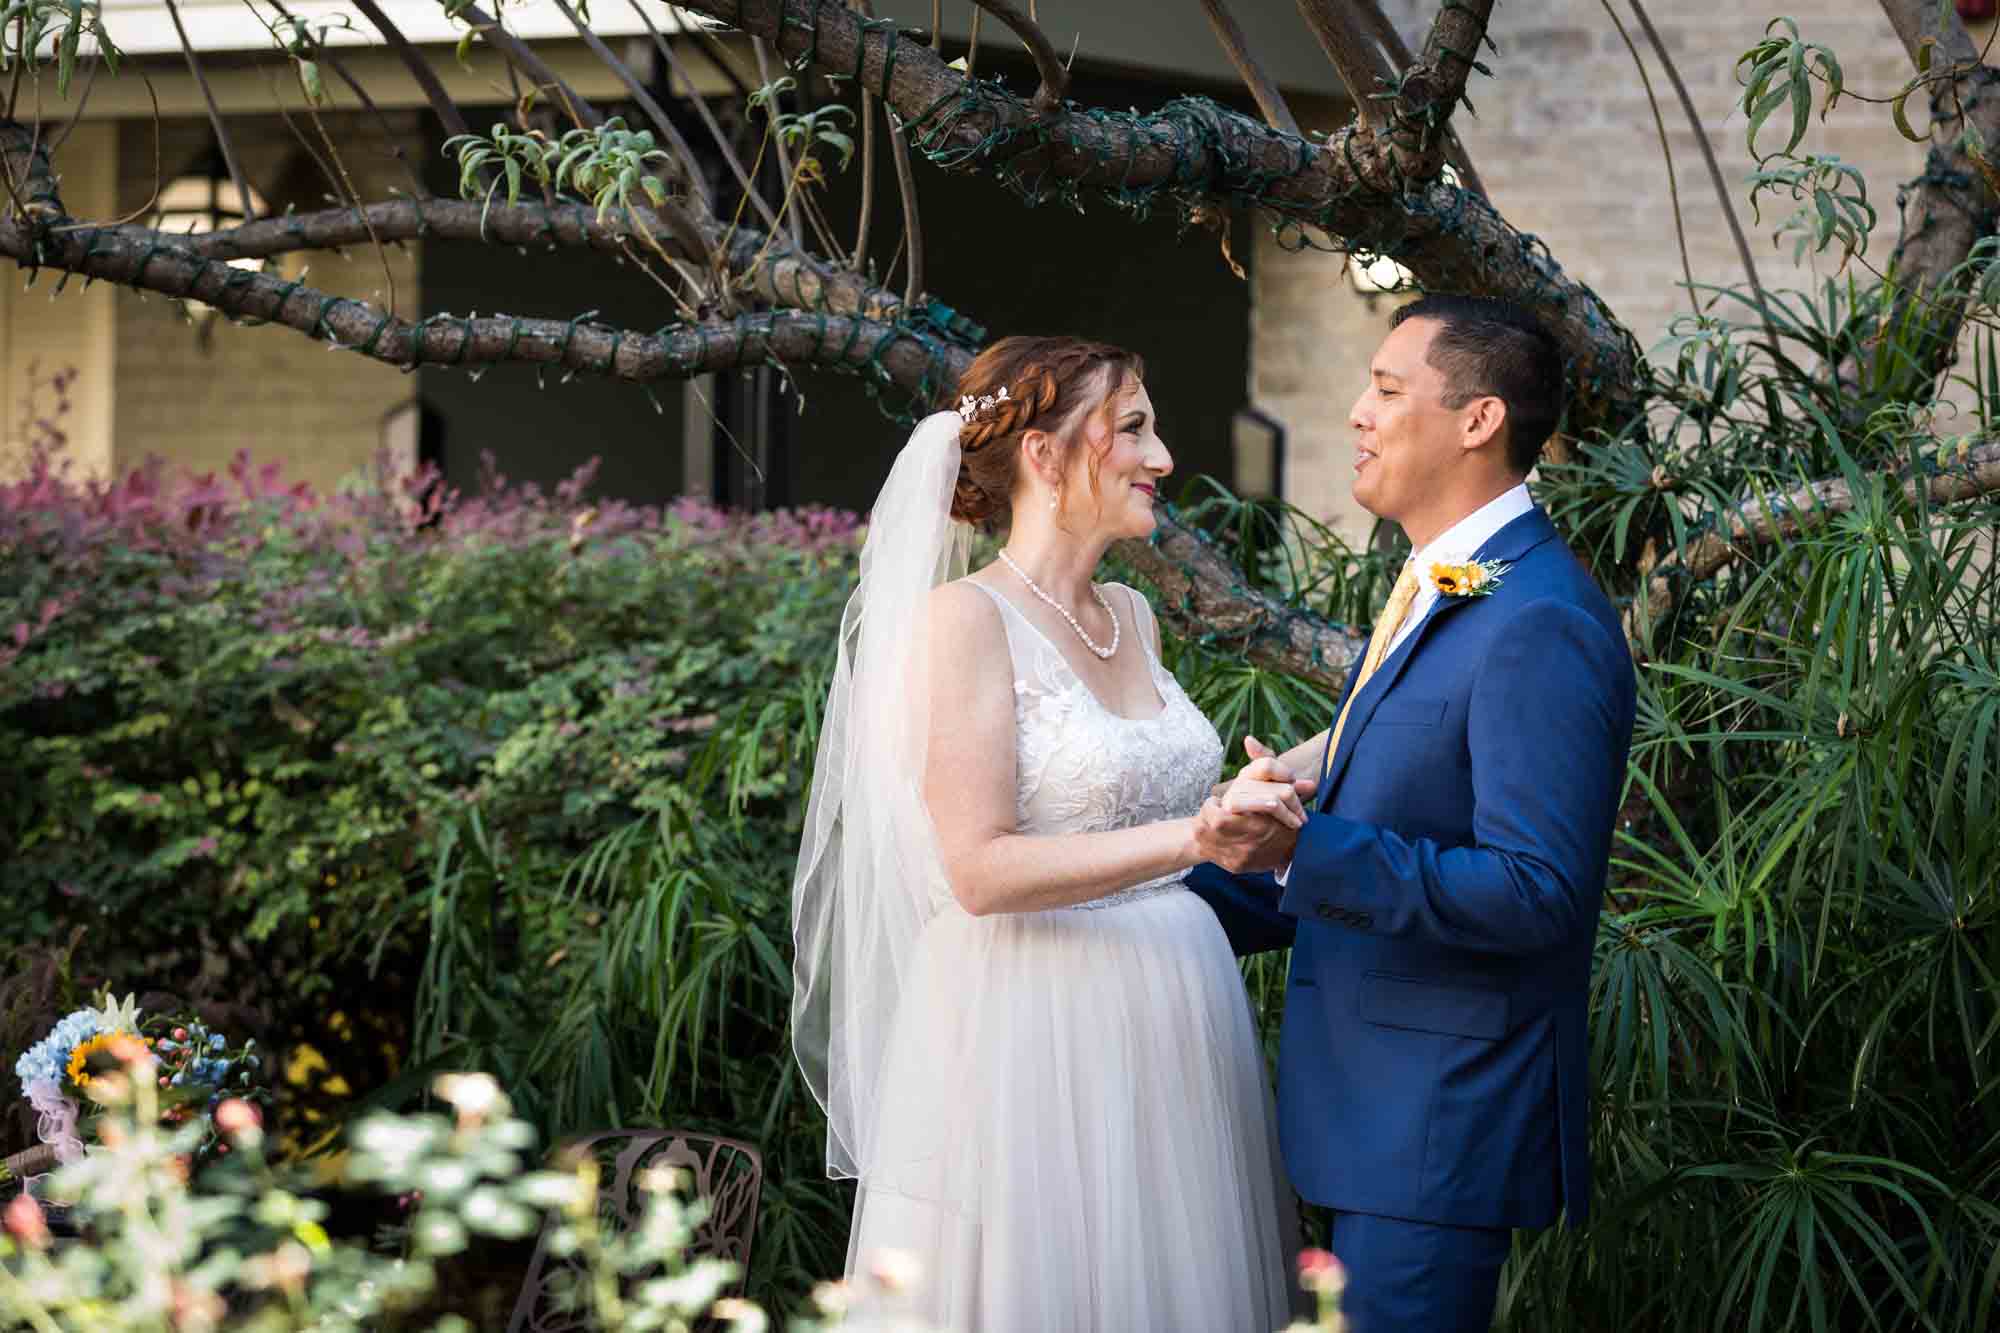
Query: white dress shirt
{"points": [[1454, 546]]}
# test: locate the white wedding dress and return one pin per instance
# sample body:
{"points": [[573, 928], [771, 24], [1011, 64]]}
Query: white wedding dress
{"points": [[1076, 1132]]}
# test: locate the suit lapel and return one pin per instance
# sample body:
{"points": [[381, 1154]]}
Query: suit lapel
{"points": [[1379, 685], [1509, 545]]}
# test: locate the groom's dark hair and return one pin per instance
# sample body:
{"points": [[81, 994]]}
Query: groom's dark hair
{"points": [[1491, 347]]}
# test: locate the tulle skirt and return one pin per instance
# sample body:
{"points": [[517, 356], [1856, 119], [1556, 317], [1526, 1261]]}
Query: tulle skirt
{"points": [[1075, 1131]]}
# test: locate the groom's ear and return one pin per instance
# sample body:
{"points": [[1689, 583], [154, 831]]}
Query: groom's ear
{"points": [[1485, 423]]}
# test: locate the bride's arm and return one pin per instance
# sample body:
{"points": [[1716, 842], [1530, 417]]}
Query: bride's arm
{"points": [[969, 785]]}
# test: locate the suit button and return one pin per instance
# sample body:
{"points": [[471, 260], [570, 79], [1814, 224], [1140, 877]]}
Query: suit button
{"points": [[1326, 911], [1363, 920]]}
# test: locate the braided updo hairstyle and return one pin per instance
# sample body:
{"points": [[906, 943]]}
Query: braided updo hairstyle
{"points": [[1048, 381]]}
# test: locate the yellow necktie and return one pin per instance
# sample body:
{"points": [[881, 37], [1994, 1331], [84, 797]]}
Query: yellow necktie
{"points": [[1393, 613]]}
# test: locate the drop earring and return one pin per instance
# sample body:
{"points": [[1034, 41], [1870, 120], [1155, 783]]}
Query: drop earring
{"points": [[1055, 500]]}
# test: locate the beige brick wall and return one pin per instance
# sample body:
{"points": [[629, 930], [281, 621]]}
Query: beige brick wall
{"points": [[1567, 147], [1311, 335], [195, 392], [44, 330]]}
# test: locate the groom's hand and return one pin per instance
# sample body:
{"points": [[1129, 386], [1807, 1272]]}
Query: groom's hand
{"points": [[1274, 772], [1245, 841], [1253, 822]]}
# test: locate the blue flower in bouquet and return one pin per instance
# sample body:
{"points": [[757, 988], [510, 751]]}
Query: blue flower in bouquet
{"points": [[49, 1057]]}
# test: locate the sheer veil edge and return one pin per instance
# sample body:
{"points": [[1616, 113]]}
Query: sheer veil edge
{"points": [[869, 878]]}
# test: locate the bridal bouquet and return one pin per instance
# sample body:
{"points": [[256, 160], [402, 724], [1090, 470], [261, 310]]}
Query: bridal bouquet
{"points": [[63, 1072]]}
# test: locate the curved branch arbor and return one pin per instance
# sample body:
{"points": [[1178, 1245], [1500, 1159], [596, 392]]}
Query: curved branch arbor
{"points": [[559, 175]]}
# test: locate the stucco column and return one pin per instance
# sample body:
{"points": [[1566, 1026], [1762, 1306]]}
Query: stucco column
{"points": [[1311, 335], [43, 331]]}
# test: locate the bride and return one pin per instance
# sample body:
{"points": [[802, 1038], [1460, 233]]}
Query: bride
{"points": [[1032, 1043]]}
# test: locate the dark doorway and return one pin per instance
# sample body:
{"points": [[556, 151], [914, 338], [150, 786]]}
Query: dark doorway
{"points": [[1166, 292]]}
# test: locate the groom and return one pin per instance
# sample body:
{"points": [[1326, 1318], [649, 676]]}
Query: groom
{"points": [[1442, 898]]}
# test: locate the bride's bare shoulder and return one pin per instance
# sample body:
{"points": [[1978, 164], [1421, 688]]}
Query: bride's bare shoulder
{"points": [[962, 607], [968, 641]]}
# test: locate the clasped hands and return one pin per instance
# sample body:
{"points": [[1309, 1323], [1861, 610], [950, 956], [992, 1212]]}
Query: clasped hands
{"points": [[1252, 823]]}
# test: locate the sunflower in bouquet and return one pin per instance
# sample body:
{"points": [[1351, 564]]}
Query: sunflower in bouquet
{"points": [[86, 1059]]}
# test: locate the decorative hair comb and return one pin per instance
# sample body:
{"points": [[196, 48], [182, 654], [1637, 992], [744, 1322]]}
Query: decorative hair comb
{"points": [[969, 407]]}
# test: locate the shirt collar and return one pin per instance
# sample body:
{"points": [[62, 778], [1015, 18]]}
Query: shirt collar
{"points": [[1462, 539]]}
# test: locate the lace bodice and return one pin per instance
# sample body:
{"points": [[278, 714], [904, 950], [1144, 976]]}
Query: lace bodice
{"points": [[1081, 768]]}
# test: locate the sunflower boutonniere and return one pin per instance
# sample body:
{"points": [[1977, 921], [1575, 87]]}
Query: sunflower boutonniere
{"points": [[1474, 578]]}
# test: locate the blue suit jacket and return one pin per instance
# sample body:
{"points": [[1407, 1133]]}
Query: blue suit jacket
{"points": [[1442, 904]]}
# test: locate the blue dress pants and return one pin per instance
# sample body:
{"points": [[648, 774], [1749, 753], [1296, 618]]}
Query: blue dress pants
{"points": [[1418, 1277]]}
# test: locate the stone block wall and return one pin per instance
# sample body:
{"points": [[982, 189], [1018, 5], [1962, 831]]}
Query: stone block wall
{"points": [[195, 389], [1567, 146]]}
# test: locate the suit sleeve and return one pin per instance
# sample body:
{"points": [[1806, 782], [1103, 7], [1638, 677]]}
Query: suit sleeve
{"points": [[1550, 723], [1247, 906]]}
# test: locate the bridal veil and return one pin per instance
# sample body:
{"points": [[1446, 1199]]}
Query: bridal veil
{"points": [[869, 877]]}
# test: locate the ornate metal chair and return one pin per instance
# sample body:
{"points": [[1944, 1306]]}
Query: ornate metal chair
{"points": [[727, 1173]]}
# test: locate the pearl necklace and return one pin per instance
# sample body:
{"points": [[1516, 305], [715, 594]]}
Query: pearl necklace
{"points": [[1103, 654]]}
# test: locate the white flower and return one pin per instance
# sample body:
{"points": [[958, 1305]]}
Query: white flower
{"points": [[476, 1095], [743, 1317], [115, 1015], [833, 1298]]}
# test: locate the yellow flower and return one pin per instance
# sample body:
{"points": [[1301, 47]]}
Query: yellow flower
{"points": [[1474, 578], [94, 1056]]}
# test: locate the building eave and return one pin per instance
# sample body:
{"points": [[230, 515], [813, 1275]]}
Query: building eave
{"points": [[145, 27]]}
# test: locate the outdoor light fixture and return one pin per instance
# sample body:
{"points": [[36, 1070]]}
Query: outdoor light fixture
{"points": [[204, 198], [1374, 274]]}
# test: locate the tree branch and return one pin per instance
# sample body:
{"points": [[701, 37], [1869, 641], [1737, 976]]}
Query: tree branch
{"points": [[1354, 57], [1946, 211], [420, 70], [1432, 88], [390, 139], [1756, 524], [214, 115], [1229, 35], [1055, 78], [1666, 155], [1722, 192], [778, 274], [151, 261], [913, 223], [1204, 591], [523, 58], [1202, 595], [1918, 20], [1400, 59], [1379, 193], [773, 113], [721, 140]]}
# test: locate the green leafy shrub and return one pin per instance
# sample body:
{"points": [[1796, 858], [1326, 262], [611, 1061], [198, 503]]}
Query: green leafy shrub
{"points": [[325, 767]]}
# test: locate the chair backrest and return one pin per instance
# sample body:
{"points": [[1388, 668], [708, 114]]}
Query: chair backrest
{"points": [[727, 1173]]}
